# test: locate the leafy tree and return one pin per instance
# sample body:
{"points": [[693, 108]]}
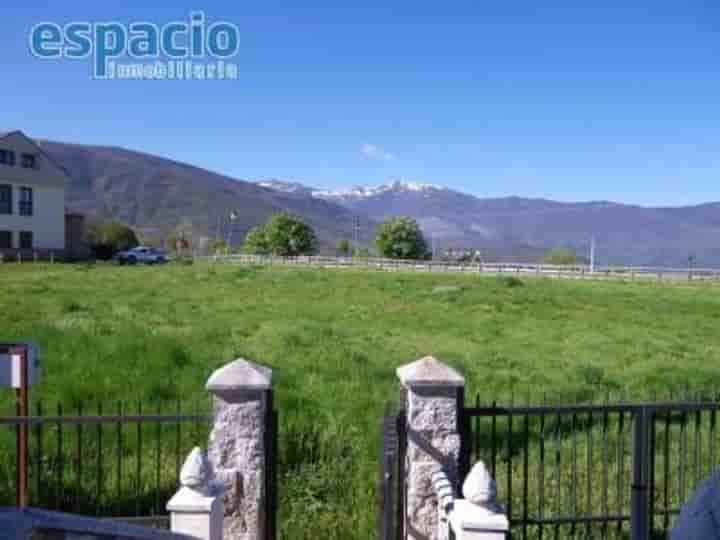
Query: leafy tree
{"points": [[256, 242], [285, 234], [561, 256], [401, 238], [106, 238], [289, 235], [344, 247], [219, 246]]}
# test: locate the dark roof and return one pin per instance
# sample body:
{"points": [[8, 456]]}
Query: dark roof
{"points": [[5, 132]]}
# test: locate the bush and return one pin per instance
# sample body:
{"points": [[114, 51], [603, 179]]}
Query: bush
{"points": [[561, 256], [401, 238], [184, 260], [511, 282], [219, 246], [343, 247], [106, 238]]}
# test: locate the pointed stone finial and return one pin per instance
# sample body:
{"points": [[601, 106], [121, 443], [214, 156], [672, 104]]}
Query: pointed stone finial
{"points": [[479, 486], [429, 371], [195, 472], [240, 375]]}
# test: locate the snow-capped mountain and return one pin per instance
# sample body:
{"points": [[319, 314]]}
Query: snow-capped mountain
{"points": [[366, 192], [285, 186], [624, 234], [351, 194]]}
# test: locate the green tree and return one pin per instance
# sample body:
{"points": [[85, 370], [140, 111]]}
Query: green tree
{"points": [[285, 234], [401, 238], [219, 246], [344, 247], [256, 242], [561, 256], [106, 238], [288, 235]]}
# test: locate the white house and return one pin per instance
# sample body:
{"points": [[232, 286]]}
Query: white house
{"points": [[32, 197]]}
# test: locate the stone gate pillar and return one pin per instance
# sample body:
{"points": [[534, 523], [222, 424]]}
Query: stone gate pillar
{"points": [[432, 394], [237, 446]]}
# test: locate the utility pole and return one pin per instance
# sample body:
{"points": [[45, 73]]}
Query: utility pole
{"points": [[356, 234], [233, 217], [592, 255]]}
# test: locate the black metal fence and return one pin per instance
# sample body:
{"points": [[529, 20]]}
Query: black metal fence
{"points": [[271, 447], [391, 489], [121, 461], [593, 471]]}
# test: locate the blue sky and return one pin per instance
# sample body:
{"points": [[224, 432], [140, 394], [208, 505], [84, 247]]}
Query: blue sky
{"points": [[553, 99]]}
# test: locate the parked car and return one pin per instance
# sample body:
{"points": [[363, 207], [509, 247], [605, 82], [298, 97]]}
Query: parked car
{"points": [[142, 255]]}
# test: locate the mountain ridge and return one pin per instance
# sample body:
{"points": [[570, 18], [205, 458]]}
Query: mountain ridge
{"points": [[625, 233], [154, 194]]}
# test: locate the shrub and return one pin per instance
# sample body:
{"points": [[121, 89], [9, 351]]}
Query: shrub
{"points": [[510, 281], [561, 256], [344, 247], [106, 238]]}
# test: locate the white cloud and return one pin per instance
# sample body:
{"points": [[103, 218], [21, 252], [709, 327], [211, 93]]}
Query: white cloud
{"points": [[371, 151]]}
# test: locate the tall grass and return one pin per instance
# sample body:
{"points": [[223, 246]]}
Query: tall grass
{"points": [[334, 340]]}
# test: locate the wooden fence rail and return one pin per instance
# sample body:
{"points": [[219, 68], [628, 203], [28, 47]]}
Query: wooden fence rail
{"points": [[540, 270]]}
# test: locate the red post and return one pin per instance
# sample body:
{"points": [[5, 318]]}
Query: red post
{"points": [[22, 406]]}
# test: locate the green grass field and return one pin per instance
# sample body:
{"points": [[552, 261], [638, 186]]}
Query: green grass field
{"points": [[334, 339]]}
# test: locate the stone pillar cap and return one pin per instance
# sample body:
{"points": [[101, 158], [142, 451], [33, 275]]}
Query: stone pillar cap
{"points": [[240, 375], [429, 371], [479, 486], [195, 473]]}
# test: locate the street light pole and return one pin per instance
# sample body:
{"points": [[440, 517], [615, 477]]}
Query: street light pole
{"points": [[356, 234], [233, 216]]}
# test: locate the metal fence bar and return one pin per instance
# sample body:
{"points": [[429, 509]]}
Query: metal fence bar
{"points": [[75, 420], [271, 427], [81, 467], [60, 464], [391, 521], [589, 464], [120, 452], [99, 471], [78, 461]]}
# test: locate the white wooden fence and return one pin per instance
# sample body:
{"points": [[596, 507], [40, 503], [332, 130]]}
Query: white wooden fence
{"points": [[540, 270]]}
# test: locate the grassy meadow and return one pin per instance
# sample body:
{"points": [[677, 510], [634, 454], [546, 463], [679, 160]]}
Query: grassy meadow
{"points": [[334, 338]]}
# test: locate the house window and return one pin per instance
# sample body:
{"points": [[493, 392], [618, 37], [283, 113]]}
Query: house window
{"points": [[6, 199], [28, 161], [7, 157], [26, 201], [5, 239], [26, 240]]}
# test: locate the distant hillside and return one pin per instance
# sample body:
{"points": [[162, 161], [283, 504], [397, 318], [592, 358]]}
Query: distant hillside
{"points": [[515, 227], [154, 194]]}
